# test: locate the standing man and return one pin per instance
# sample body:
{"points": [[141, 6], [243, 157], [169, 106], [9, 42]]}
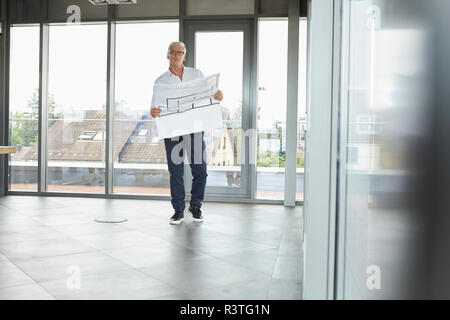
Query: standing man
{"points": [[177, 73]]}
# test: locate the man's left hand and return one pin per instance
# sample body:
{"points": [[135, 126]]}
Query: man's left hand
{"points": [[218, 95]]}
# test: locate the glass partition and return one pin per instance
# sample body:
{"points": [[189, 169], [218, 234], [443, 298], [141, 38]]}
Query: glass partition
{"points": [[152, 8]]}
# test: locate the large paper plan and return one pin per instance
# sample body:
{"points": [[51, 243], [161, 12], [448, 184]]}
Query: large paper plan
{"points": [[187, 107]]}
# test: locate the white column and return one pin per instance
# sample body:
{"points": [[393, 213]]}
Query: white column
{"points": [[321, 144]]}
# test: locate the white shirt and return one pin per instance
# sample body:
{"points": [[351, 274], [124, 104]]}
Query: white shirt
{"points": [[169, 78]]}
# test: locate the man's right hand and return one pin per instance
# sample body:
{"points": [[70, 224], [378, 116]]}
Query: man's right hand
{"points": [[155, 112]]}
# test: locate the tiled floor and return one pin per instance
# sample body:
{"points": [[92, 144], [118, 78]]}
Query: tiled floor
{"points": [[51, 248]]}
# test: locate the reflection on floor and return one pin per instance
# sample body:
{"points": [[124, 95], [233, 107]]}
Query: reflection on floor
{"points": [[51, 248]]}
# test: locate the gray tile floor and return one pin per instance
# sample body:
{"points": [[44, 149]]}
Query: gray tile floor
{"points": [[51, 248]]}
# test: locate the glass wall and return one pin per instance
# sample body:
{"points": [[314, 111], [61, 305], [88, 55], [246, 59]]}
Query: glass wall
{"points": [[159, 8], [224, 147], [57, 9], [271, 114], [24, 107], [301, 111], [140, 164], [77, 108]]}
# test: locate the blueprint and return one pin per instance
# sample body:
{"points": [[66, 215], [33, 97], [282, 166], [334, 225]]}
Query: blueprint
{"points": [[187, 107]]}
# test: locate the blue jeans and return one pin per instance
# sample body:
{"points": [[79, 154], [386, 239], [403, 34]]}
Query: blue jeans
{"points": [[194, 146]]}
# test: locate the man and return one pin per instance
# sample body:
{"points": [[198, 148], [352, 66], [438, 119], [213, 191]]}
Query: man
{"points": [[177, 73]]}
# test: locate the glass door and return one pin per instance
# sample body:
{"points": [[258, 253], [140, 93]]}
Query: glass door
{"points": [[225, 47]]}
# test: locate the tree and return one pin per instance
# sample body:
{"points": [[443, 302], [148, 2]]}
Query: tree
{"points": [[25, 124]]}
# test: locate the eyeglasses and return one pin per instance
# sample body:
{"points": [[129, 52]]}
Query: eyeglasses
{"points": [[180, 53]]}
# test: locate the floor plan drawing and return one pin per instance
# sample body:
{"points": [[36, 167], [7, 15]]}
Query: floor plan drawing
{"points": [[188, 102], [188, 107]]}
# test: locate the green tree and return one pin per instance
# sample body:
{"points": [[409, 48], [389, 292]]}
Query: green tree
{"points": [[275, 159], [25, 124]]}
